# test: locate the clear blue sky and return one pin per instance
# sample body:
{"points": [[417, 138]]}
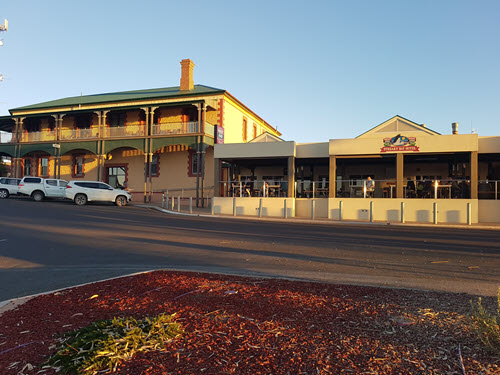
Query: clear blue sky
{"points": [[315, 69]]}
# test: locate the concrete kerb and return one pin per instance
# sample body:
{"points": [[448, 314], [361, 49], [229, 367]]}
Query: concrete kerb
{"points": [[326, 221]]}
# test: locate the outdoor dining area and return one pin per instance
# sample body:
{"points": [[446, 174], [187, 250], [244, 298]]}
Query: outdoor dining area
{"points": [[247, 186]]}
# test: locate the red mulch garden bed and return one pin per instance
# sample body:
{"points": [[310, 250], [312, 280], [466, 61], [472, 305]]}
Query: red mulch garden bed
{"points": [[239, 325]]}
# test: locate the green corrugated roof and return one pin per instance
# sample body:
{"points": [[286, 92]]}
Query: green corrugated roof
{"points": [[113, 97]]}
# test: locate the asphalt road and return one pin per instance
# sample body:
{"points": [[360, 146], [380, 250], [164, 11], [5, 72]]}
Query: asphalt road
{"points": [[55, 244]]}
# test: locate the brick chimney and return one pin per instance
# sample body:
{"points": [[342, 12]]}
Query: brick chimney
{"points": [[187, 75]]}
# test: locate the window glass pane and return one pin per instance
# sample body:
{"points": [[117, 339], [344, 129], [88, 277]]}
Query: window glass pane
{"points": [[79, 165], [63, 183], [104, 186], [154, 165], [44, 166], [27, 167], [51, 182], [195, 163]]}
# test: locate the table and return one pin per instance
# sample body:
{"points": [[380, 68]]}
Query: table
{"points": [[445, 187]]}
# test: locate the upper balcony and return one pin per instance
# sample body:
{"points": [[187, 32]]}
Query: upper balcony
{"points": [[129, 130], [179, 128]]}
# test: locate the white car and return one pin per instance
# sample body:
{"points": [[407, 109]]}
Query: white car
{"points": [[8, 186], [39, 188], [82, 192]]}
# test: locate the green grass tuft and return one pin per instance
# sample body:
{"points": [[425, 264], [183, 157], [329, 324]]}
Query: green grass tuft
{"points": [[104, 344], [487, 326]]}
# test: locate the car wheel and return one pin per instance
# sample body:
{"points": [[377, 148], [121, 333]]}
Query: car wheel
{"points": [[81, 199], [4, 193], [121, 200], [37, 196]]}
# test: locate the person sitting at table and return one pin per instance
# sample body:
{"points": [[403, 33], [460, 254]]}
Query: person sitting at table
{"points": [[370, 187], [284, 188], [248, 187], [411, 191], [427, 189], [235, 188]]}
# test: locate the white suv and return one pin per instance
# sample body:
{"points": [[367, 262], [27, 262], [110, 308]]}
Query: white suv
{"points": [[39, 188], [8, 186], [82, 192]]}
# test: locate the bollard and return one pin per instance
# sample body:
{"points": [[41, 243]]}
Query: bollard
{"points": [[371, 211], [340, 210], [166, 200], [163, 200], [190, 205], [212, 207], [260, 207], [285, 214], [313, 203], [234, 206], [469, 214], [173, 203], [178, 203], [435, 213], [402, 212]]}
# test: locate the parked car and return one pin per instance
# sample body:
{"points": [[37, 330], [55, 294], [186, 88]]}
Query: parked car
{"points": [[40, 188], [82, 192], [8, 186]]}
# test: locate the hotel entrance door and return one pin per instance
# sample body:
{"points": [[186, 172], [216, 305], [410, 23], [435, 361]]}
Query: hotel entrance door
{"points": [[116, 177]]}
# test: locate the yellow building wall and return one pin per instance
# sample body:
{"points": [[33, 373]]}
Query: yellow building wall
{"points": [[89, 167], [233, 123], [173, 171], [271, 207], [489, 211], [303, 208], [450, 211]]}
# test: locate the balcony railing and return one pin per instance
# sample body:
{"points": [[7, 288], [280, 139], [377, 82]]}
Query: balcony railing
{"points": [[92, 132], [6, 137], [170, 128], [44, 135], [125, 131]]}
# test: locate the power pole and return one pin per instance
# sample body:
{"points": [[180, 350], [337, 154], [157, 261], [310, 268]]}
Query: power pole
{"points": [[3, 27]]}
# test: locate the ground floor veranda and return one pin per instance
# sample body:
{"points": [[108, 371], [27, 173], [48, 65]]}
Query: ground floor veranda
{"points": [[424, 188], [145, 167]]}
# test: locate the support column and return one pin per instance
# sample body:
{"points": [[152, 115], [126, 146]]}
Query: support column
{"points": [[14, 159], [149, 132], [146, 169], [203, 152], [399, 175], [198, 171], [59, 121], [217, 175], [291, 176], [333, 177], [473, 174], [103, 135], [99, 144]]}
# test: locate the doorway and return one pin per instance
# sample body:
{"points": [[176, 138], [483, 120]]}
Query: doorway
{"points": [[116, 176]]}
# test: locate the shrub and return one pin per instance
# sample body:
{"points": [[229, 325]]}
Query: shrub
{"points": [[104, 344], [487, 326]]}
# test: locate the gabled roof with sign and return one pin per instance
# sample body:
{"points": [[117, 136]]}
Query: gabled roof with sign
{"points": [[266, 137], [397, 124]]}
